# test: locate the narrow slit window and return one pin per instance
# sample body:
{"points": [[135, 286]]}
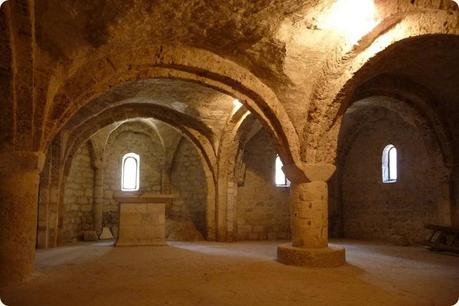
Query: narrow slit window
{"points": [[130, 172], [280, 178], [389, 164]]}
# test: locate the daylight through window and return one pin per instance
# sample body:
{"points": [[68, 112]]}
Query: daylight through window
{"points": [[389, 164], [280, 178], [130, 172]]}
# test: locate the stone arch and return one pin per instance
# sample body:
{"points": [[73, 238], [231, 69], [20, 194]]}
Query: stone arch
{"points": [[226, 190], [195, 131], [158, 61], [359, 164], [143, 128], [413, 101], [404, 111], [150, 131], [416, 101], [341, 74], [240, 128]]}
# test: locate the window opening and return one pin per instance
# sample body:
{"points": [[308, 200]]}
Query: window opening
{"points": [[389, 164], [280, 179], [130, 172]]}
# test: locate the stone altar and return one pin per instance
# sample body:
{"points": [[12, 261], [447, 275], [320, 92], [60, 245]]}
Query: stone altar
{"points": [[142, 218]]}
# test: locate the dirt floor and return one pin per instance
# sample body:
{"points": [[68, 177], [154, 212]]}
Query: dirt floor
{"points": [[245, 273]]}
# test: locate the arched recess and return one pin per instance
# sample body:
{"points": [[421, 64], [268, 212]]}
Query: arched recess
{"points": [[159, 61], [239, 130], [346, 69], [74, 135], [208, 176], [103, 177], [401, 89], [406, 112], [129, 136], [412, 101], [198, 133], [391, 212]]}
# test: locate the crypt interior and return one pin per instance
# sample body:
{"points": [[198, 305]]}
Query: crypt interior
{"points": [[266, 152]]}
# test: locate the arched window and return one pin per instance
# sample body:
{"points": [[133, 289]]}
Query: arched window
{"points": [[389, 164], [130, 172], [280, 178]]}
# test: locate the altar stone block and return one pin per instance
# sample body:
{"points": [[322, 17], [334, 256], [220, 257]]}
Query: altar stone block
{"points": [[142, 218]]}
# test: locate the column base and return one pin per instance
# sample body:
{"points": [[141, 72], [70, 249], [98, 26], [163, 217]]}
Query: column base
{"points": [[321, 258]]}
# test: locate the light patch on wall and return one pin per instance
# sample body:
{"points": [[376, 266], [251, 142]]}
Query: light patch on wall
{"points": [[351, 18], [1, 2]]}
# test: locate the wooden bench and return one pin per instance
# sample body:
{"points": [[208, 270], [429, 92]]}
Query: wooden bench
{"points": [[443, 238]]}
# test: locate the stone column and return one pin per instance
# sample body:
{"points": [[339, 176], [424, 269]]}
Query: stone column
{"points": [[98, 194], [309, 214], [19, 172], [309, 219]]}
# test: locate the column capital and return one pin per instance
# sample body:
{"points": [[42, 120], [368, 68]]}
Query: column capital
{"points": [[98, 164], [309, 172], [319, 172]]}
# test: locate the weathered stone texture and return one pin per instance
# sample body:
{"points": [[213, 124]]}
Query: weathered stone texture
{"points": [[69, 68], [394, 212], [18, 214], [78, 196], [262, 208], [130, 138], [186, 216], [189, 182]]}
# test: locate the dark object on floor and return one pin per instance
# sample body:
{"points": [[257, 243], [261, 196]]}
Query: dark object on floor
{"points": [[443, 238]]}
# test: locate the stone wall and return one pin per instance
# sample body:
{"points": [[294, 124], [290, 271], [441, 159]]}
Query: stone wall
{"points": [[130, 137], [394, 212], [78, 196], [262, 208], [186, 215], [189, 182]]}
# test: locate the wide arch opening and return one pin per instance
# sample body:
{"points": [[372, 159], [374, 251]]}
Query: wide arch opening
{"points": [[195, 112], [390, 177], [169, 163]]}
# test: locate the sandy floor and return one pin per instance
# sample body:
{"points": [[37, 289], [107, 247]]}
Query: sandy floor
{"points": [[243, 273]]}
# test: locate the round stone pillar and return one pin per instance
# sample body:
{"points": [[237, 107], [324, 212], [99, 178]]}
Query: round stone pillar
{"points": [[19, 172], [309, 219], [309, 214]]}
